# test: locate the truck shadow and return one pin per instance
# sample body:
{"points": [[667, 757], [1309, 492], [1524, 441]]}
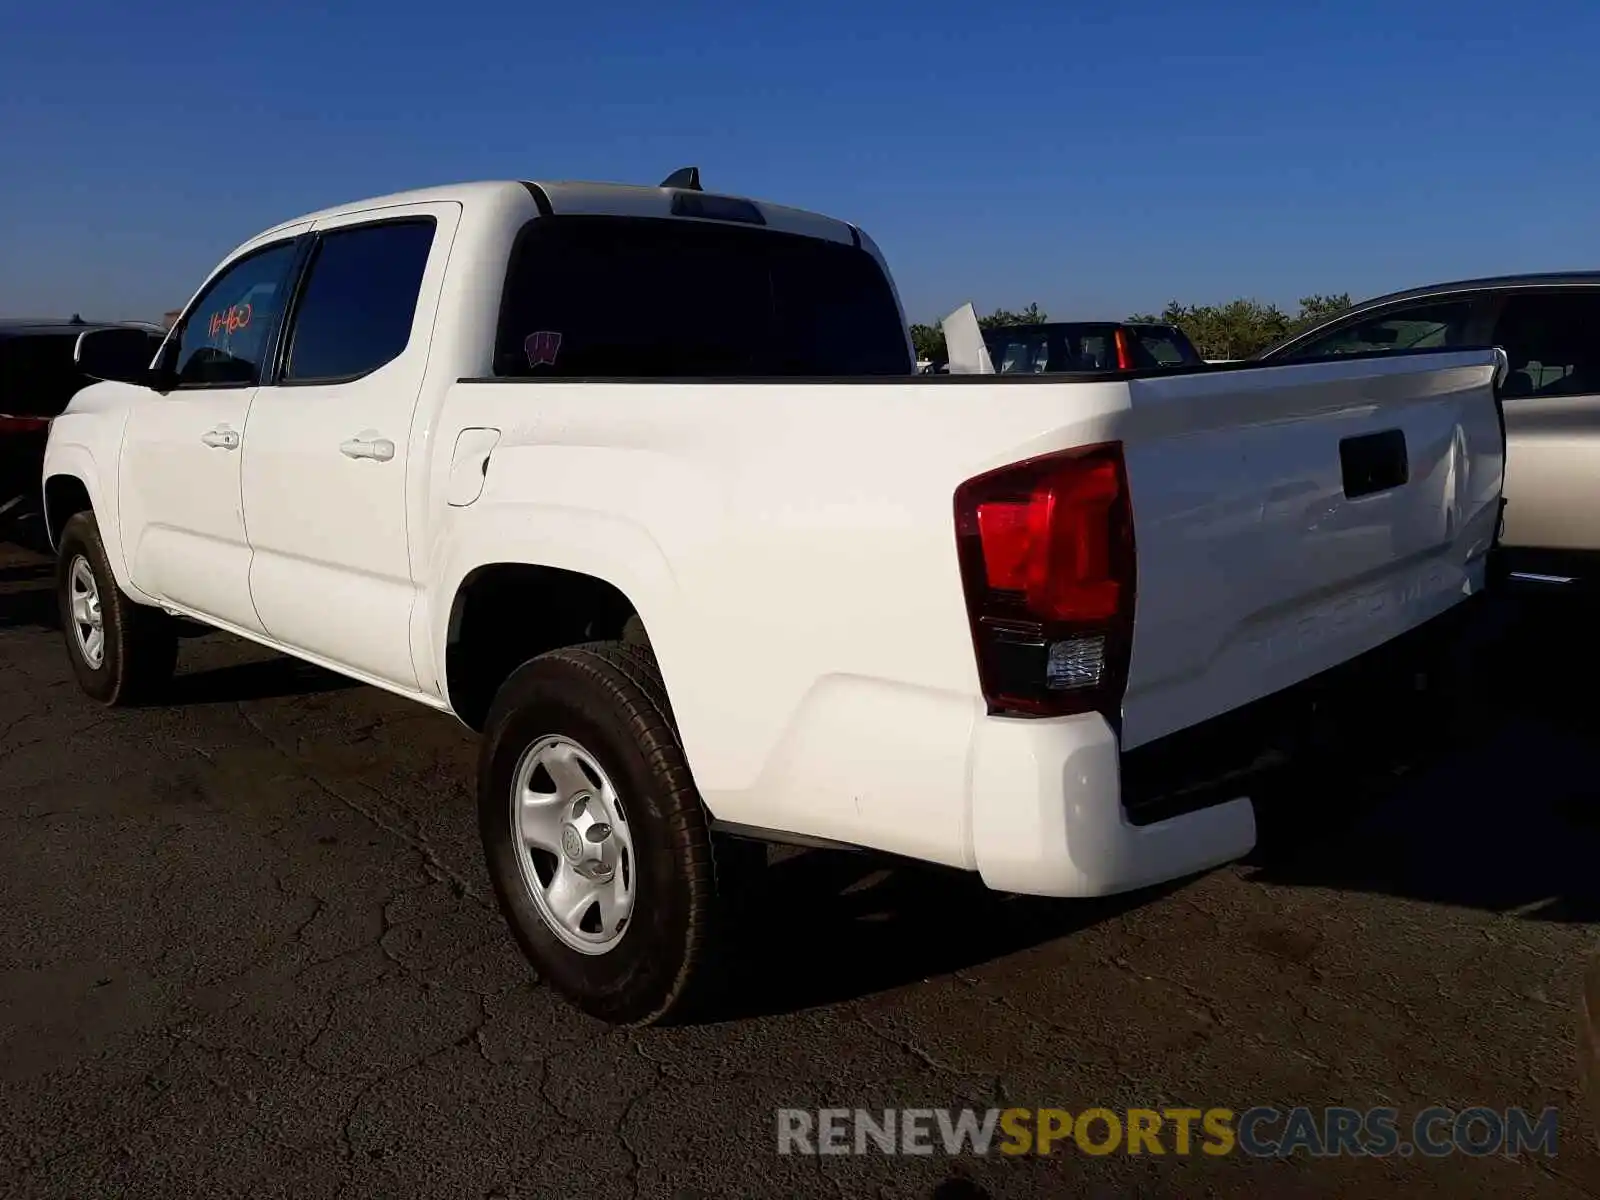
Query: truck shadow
{"points": [[827, 926], [28, 596], [28, 601], [1510, 824], [261, 679], [1511, 828]]}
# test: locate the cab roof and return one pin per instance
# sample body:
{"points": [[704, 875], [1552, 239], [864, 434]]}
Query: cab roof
{"points": [[561, 197]]}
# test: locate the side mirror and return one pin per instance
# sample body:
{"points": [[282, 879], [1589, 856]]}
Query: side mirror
{"points": [[119, 355]]}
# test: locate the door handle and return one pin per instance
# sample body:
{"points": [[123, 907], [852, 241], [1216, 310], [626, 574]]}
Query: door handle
{"points": [[368, 445], [221, 438]]}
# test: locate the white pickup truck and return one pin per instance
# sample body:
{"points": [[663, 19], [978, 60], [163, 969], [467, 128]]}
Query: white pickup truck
{"points": [[639, 482]]}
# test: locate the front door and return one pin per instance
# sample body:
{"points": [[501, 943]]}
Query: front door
{"points": [[329, 443], [182, 513]]}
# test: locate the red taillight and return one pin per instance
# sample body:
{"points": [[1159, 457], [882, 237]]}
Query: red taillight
{"points": [[1124, 353], [10, 424], [1047, 558], [1055, 545]]}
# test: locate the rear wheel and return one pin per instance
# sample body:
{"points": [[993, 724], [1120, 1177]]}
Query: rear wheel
{"points": [[596, 840], [121, 652]]}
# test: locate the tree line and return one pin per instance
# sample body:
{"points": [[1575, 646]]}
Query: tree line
{"points": [[1236, 329]]}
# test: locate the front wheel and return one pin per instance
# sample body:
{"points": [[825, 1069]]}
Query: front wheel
{"points": [[121, 652], [595, 837]]}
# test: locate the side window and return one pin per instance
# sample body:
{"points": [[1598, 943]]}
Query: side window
{"points": [[355, 311], [1427, 327], [1552, 342], [229, 330]]}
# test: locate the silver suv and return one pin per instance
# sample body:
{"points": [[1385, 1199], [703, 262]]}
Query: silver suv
{"points": [[1549, 327]]}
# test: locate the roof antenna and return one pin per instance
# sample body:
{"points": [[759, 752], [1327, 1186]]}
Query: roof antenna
{"points": [[76, 319], [687, 178]]}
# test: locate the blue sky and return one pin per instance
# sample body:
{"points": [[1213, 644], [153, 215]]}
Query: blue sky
{"points": [[1094, 158]]}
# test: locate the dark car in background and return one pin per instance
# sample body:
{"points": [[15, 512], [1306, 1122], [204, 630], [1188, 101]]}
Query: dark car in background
{"points": [[1549, 327], [1086, 346], [37, 378]]}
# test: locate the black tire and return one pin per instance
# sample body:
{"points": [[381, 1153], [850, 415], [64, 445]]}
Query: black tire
{"points": [[140, 644], [609, 699]]}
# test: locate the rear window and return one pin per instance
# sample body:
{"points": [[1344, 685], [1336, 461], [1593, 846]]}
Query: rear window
{"points": [[37, 374], [626, 297]]}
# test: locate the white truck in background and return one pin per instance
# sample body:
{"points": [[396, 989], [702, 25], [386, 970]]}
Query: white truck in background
{"points": [[639, 483]]}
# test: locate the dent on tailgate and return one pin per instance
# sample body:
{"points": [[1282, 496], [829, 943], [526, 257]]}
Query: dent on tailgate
{"points": [[1289, 520]]}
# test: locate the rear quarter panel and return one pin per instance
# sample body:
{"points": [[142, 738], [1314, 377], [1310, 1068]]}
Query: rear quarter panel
{"points": [[791, 551]]}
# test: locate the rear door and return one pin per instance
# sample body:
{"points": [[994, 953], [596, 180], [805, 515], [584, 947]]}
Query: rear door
{"points": [[330, 443], [1552, 406]]}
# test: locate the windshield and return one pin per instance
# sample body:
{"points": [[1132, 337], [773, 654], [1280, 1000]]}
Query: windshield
{"points": [[629, 297]]}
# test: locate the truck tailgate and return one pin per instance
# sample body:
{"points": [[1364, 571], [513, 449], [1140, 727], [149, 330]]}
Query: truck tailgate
{"points": [[1288, 519]]}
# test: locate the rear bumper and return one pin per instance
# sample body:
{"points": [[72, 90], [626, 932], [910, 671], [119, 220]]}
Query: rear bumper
{"points": [[1059, 810], [1047, 815]]}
